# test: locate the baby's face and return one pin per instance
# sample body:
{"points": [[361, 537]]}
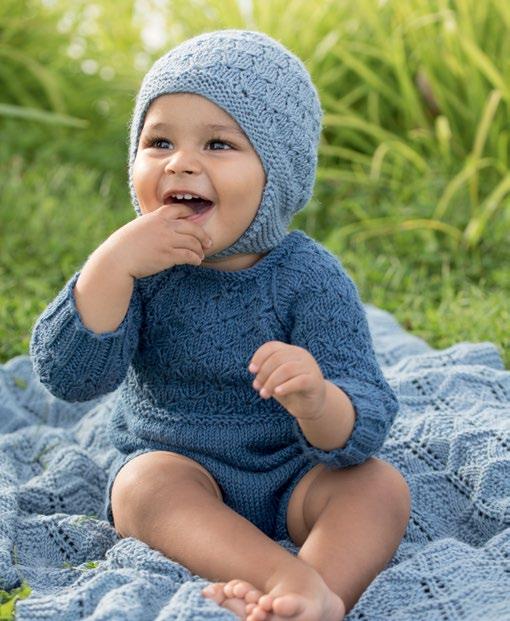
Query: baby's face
{"points": [[219, 164]]}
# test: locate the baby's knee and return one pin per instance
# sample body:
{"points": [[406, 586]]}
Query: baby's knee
{"points": [[154, 485], [393, 488]]}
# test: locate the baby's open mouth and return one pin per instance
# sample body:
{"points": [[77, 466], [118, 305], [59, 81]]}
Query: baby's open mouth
{"points": [[199, 205]]}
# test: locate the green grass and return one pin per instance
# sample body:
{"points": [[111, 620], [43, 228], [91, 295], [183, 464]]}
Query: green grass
{"points": [[413, 185], [8, 600], [49, 229]]}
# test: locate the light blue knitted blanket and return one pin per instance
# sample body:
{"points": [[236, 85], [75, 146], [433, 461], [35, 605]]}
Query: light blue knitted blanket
{"points": [[450, 440]]}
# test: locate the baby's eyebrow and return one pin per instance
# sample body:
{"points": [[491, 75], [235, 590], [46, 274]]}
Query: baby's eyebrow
{"points": [[213, 126]]}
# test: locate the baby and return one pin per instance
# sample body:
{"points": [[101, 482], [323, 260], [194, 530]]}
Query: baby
{"points": [[250, 401]]}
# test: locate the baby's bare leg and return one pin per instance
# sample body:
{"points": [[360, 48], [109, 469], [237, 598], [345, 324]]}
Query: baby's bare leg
{"points": [[352, 522], [357, 517], [174, 512]]}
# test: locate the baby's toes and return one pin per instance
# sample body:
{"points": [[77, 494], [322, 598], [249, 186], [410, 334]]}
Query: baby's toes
{"points": [[253, 596], [242, 589], [256, 613], [266, 602], [215, 591], [249, 608], [261, 610]]}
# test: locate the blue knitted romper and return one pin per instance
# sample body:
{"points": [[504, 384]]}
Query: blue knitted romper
{"points": [[180, 361], [180, 357]]}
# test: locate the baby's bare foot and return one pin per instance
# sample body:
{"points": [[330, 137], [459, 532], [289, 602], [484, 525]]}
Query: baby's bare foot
{"points": [[315, 602], [235, 595]]}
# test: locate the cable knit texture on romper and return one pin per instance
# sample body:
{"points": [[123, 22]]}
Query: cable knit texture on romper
{"points": [[450, 439], [182, 353]]}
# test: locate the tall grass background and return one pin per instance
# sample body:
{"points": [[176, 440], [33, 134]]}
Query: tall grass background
{"points": [[413, 184]]}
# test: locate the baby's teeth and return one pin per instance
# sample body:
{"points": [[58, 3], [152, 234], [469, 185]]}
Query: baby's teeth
{"points": [[188, 196]]}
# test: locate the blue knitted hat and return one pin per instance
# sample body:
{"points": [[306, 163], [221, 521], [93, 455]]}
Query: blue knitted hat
{"points": [[269, 92]]}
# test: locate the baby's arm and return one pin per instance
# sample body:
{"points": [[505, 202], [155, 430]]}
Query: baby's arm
{"points": [[103, 292], [77, 351], [83, 343], [330, 323]]}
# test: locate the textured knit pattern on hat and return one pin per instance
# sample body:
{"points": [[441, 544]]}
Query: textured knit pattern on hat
{"points": [[268, 91]]}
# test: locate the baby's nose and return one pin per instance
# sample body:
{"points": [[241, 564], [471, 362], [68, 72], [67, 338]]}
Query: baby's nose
{"points": [[182, 162]]}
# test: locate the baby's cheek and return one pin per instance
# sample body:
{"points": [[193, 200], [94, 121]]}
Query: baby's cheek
{"points": [[144, 181]]}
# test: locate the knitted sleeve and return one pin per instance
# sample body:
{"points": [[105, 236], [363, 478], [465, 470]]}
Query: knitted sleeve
{"points": [[73, 362], [330, 323]]}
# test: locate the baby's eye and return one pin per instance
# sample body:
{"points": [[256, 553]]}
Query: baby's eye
{"points": [[216, 141], [154, 142]]}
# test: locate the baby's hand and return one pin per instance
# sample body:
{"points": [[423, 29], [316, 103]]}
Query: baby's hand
{"points": [[157, 240], [292, 376]]}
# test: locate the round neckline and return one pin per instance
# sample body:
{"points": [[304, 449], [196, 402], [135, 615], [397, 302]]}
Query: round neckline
{"points": [[260, 266]]}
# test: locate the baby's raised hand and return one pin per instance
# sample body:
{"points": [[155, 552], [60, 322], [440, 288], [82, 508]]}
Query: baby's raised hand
{"points": [[157, 240], [291, 375]]}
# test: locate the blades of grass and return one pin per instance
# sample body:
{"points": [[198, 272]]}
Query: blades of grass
{"points": [[338, 235], [377, 161], [377, 227], [42, 116], [465, 12], [323, 47], [408, 154], [329, 101], [373, 107], [444, 136], [229, 12], [411, 225], [14, 89], [485, 123], [503, 149], [329, 79], [46, 79], [423, 141], [367, 75], [485, 65], [356, 209], [353, 138], [343, 104], [284, 26], [264, 14], [428, 19], [245, 8], [350, 121], [358, 123], [413, 107], [338, 175], [326, 11], [376, 20], [503, 8], [346, 154], [469, 169], [363, 48], [477, 225], [193, 17], [8, 599], [320, 16], [460, 116], [480, 140]]}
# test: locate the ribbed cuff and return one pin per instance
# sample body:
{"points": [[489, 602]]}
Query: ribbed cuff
{"points": [[374, 411], [74, 362]]}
